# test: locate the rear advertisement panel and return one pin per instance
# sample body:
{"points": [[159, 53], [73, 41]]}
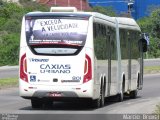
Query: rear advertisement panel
{"points": [[56, 31]]}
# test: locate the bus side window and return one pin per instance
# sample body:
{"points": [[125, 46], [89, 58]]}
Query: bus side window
{"points": [[100, 46], [94, 30], [104, 30]]}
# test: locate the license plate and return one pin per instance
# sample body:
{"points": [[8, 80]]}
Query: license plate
{"points": [[55, 94]]}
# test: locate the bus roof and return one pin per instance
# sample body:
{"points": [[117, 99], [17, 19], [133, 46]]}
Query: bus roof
{"points": [[126, 23], [58, 14]]}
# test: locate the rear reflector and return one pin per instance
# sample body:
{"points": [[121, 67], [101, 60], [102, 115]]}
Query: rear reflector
{"points": [[23, 68], [87, 69]]}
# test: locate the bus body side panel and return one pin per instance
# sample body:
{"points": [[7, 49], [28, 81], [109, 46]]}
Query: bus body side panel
{"points": [[90, 51], [23, 34], [129, 36], [135, 62], [106, 54]]}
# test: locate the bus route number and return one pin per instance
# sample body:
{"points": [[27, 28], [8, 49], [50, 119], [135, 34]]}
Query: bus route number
{"points": [[76, 78]]}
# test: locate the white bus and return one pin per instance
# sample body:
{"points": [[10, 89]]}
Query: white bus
{"points": [[79, 55]]}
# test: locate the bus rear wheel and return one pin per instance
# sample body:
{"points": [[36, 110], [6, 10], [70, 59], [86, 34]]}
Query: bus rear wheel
{"points": [[101, 100], [48, 103], [102, 96], [96, 103], [36, 103], [133, 94], [120, 96]]}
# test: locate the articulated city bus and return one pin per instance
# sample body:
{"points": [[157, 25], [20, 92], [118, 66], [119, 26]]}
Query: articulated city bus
{"points": [[79, 55]]}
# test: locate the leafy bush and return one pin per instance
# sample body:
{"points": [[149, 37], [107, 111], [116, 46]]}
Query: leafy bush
{"points": [[104, 10], [157, 111], [10, 26], [151, 25], [9, 51]]}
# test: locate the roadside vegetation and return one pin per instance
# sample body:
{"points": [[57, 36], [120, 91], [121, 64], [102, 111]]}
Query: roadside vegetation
{"points": [[151, 69], [151, 25], [8, 82], [157, 110], [10, 27]]}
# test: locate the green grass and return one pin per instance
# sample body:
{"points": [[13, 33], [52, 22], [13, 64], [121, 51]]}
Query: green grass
{"points": [[151, 69], [8, 82], [157, 110]]}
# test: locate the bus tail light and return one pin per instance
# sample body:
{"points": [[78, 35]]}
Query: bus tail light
{"points": [[23, 68], [87, 69]]}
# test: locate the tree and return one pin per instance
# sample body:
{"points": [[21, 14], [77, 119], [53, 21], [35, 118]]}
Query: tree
{"points": [[9, 51], [151, 25], [145, 24], [31, 6], [10, 26], [155, 19], [104, 10]]}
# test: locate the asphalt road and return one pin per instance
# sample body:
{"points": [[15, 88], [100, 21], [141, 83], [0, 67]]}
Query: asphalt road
{"points": [[152, 62], [9, 72], [147, 99]]}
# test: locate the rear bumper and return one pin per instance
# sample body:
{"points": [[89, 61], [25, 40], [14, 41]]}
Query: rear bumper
{"points": [[61, 99], [41, 91], [64, 94]]}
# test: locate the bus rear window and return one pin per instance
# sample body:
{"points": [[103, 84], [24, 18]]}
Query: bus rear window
{"points": [[56, 50], [56, 36]]}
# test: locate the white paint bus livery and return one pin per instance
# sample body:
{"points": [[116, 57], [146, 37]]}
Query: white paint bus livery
{"points": [[79, 55]]}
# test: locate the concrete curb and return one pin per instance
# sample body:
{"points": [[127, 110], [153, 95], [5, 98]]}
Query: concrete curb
{"points": [[9, 67]]}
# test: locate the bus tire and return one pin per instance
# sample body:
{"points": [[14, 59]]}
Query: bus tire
{"points": [[133, 94], [48, 103], [36, 103], [101, 100], [96, 103], [102, 96], [120, 96]]}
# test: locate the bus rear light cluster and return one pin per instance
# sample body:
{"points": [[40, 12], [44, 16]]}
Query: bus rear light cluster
{"points": [[87, 69], [23, 68]]}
